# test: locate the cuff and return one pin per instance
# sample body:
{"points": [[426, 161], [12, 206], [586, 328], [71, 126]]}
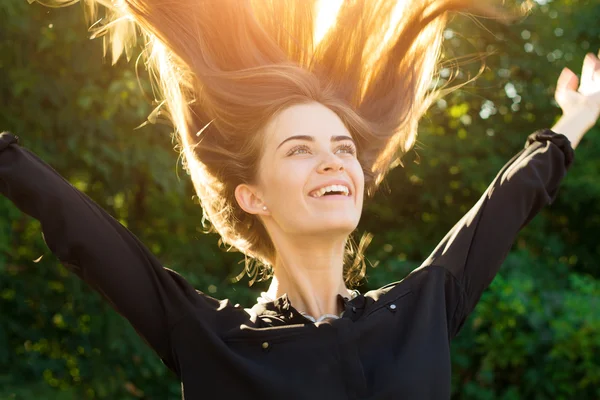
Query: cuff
{"points": [[7, 138], [558, 139]]}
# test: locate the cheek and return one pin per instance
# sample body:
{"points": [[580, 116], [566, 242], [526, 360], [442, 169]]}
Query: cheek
{"points": [[288, 182], [358, 176]]}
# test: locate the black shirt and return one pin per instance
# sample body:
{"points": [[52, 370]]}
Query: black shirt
{"points": [[390, 343]]}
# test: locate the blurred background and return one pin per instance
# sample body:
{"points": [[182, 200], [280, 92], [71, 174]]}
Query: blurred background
{"points": [[535, 333]]}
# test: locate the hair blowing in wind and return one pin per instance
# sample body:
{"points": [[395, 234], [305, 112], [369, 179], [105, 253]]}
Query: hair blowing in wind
{"points": [[223, 68]]}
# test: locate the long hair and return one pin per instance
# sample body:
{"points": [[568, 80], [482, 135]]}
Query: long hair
{"points": [[223, 68]]}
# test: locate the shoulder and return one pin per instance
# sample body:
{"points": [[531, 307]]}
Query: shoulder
{"points": [[415, 281]]}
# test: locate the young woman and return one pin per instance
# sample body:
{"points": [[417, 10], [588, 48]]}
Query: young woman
{"points": [[283, 137]]}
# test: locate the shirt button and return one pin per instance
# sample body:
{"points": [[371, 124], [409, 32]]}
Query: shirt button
{"points": [[265, 345], [392, 307]]}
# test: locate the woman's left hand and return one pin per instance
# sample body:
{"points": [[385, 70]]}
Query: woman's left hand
{"points": [[582, 102]]}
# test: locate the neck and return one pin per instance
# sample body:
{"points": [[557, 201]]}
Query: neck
{"points": [[311, 278]]}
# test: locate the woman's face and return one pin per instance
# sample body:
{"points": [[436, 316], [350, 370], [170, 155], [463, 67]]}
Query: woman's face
{"points": [[309, 177]]}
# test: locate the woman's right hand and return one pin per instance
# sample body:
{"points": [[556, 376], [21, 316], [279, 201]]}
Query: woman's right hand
{"points": [[580, 102]]}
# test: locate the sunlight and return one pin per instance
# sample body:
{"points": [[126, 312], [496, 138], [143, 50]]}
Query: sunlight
{"points": [[327, 12], [326, 16]]}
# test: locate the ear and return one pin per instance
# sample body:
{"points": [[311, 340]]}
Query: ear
{"points": [[248, 199]]}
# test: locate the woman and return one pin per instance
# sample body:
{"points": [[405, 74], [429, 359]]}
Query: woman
{"points": [[282, 140]]}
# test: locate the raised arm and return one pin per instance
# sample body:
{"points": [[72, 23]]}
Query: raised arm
{"points": [[96, 247], [476, 246]]}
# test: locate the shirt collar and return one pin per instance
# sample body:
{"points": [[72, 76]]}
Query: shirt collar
{"points": [[281, 312]]}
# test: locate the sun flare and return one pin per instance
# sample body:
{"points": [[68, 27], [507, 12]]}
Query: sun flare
{"points": [[327, 11]]}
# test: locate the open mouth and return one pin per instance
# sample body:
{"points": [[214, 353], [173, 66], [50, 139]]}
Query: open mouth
{"points": [[331, 191]]}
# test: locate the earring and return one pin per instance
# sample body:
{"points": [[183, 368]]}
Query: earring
{"points": [[265, 208]]}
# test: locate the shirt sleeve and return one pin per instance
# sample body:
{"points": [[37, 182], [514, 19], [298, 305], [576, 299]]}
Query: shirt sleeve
{"points": [[476, 246], [97, 248]]}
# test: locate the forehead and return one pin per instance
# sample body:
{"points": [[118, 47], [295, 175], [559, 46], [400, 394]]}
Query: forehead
{"points": [[312, 119]]}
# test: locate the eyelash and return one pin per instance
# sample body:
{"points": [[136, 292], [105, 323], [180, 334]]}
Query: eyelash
{"points": [[347, 147]]}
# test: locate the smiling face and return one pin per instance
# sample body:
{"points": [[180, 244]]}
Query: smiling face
{"points": [[309, 177]]}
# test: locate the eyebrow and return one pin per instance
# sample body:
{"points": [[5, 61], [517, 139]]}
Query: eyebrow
{"points": [[312, 139]]}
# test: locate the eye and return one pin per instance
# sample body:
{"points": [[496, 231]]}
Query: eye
{"points": [[301, 149], [348, 148]]}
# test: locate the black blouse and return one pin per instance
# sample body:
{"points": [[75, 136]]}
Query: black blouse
{"points": [[390, 343]]}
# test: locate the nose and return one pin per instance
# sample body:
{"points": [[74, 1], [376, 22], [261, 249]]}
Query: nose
{"points": [[331, 163]]}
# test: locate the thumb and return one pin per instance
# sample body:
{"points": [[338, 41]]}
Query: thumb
{"points": [[567, 80]]}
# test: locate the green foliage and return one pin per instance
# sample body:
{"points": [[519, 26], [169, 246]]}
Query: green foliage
{"points": [[535, 333], [531, 337]]}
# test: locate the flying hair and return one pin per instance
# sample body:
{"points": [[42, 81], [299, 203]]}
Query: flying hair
{"points": [[223, 68]]}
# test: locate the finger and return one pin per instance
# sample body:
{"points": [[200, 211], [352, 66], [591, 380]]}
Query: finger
{"points": [[567, 80], [590, 64]]}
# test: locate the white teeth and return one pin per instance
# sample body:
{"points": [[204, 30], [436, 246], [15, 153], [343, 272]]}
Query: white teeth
{"points": [[331, 188]]}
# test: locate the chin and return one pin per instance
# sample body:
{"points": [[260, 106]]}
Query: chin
{"points": [[336, 227]]}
